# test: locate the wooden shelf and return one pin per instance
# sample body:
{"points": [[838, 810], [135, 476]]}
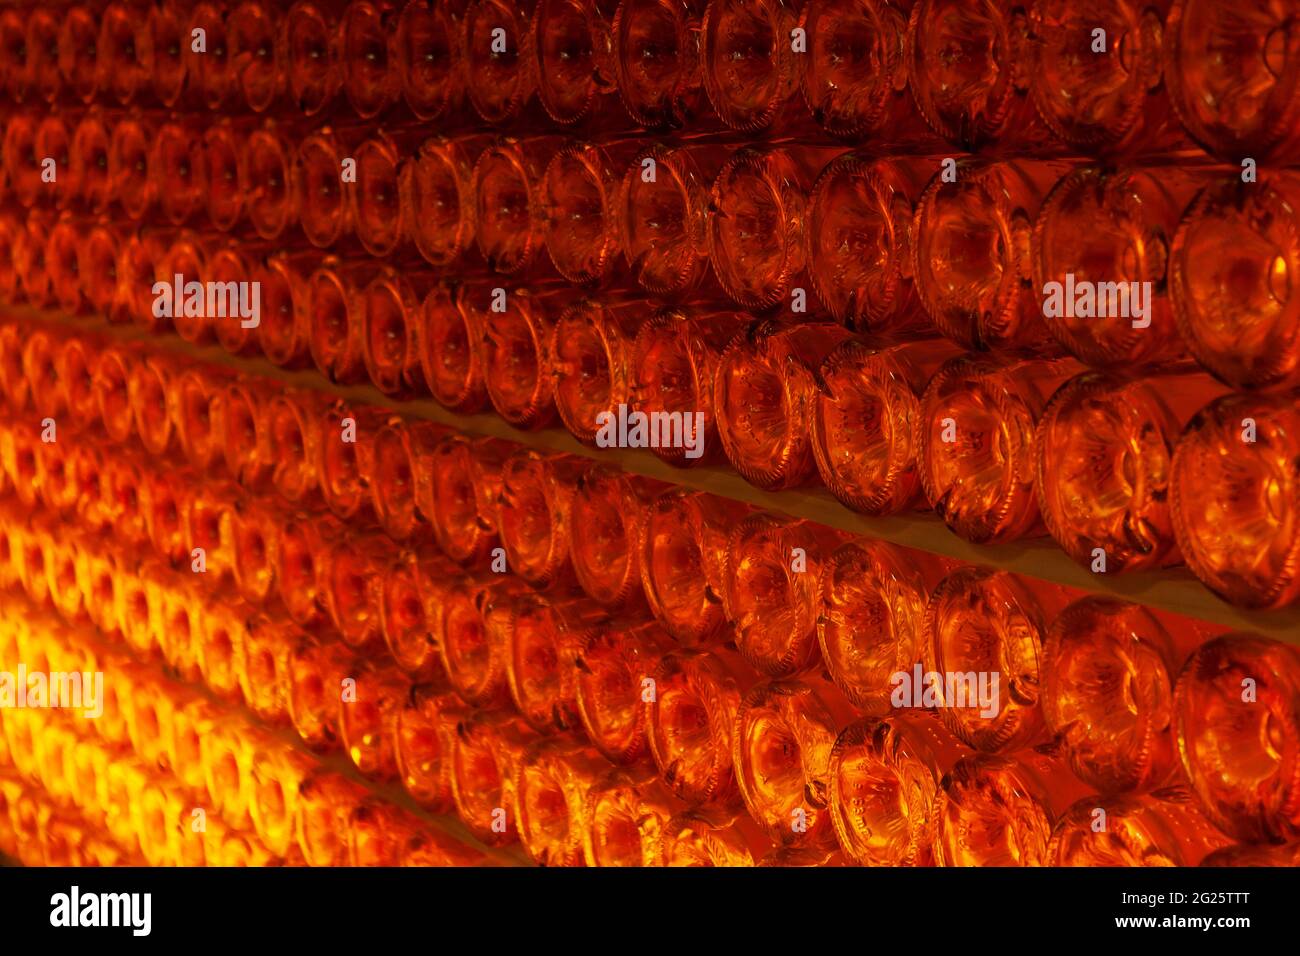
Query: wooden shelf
{"points": [[1175, 590]]}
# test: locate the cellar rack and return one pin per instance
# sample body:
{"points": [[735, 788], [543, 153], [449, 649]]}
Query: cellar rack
{"points": [[1173, 590]]}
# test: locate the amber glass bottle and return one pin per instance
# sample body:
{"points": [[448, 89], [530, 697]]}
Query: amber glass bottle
{"points": [[764, 391], [871, 624], [1235, 716], [1229, 281], [1111, 230], [1104, 452], [1237, 106], [1108, 690], [884, 788], [990, 624], [865, 421], [1233, 498], [977, 443]]}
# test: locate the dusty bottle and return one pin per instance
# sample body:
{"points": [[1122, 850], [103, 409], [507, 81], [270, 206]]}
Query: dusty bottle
{"points": [[1101, 262], [672, 364], [1233, 516], [986, 622], [1235, 720], [871, 622], [884, 783], [977, 443], [764, 392], [865, 417], [1229, 279], [1108, 691], [1104, 451], [971, 248], [1236, 106]]}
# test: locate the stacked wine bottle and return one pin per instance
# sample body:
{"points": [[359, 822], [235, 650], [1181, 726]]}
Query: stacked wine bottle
{"points": [[392, 385]]}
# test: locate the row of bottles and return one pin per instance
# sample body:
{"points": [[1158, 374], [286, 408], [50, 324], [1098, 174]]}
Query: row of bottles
{"points": [[793, 606], [164, 777], [791, 751], [1123, 269], [988, 254], [1121, 79], [1126, 474]]}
